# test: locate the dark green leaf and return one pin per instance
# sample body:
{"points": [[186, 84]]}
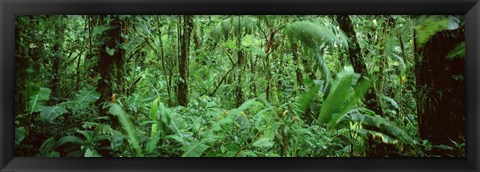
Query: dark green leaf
{"points": [[20, 133], [49, 113]]}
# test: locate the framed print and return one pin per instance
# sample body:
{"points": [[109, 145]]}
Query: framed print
{"points": [[239, 85]]}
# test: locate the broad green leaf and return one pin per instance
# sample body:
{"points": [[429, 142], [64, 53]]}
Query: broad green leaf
{"points": [[101, 137], [210, 137], [164, 115], [247, 104], [226, 28], [429, 26], [248, 153], [381, 137], [87, 134], [77, 153], [257, 51], [152, 143], [457, 52], [306, 98], [176, 138], [52, 154], [154, 110], [154, 130], [337, 96], [313, 35], [20, 133], [110, 51], [263, 142], [49, 113], [98, 30], [360, 87], [444, 147], [391, 101], [89, 125], [91, 153], [69, 139], [127, 125], [116, 140], [194, 150], [326, 72], [85, 97], [178, 124], [47, 147], [379, 122], [35, 103], [233, 25]]}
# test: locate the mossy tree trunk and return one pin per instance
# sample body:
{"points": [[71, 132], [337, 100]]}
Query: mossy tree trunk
{"points": [[441, 89], [183, 59], [110, 66]]}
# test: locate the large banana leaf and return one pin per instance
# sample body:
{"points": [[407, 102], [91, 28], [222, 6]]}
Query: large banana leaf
{"points": [[348, 88], [194, 150], [337, 96], [127, 125], [20, 134], [36, 102], [377, 121], [306, 98]]}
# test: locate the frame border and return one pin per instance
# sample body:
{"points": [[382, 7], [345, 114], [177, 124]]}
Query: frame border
{"points": [[10, 8]]}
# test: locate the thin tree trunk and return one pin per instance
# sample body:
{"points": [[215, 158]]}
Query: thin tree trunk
{"points": [[358, 63], [240, 61], [371, 99], [268, 50], [298, 72], [182, 92], [162, 55], [55, 79]]}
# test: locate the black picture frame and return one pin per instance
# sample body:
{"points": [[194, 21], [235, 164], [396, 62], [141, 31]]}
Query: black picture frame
{"points": [[10, 8]]}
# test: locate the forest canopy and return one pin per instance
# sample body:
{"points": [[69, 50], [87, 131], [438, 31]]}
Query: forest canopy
{"points": [[239, 86]]}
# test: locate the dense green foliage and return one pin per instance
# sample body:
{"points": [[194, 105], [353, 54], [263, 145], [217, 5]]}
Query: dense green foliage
{"points": [[232, 86]]}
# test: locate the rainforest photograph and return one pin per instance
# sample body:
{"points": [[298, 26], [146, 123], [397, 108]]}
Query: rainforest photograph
{"points": [[239, 86]]}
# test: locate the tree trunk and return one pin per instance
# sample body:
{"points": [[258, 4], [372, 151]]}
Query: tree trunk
{"points": [[21, 64], [240, 61], [298, 71], [182, 91], [239, 91], [440, 90], [110, 66], [56, 59], [358, 64], [371, 99]]}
